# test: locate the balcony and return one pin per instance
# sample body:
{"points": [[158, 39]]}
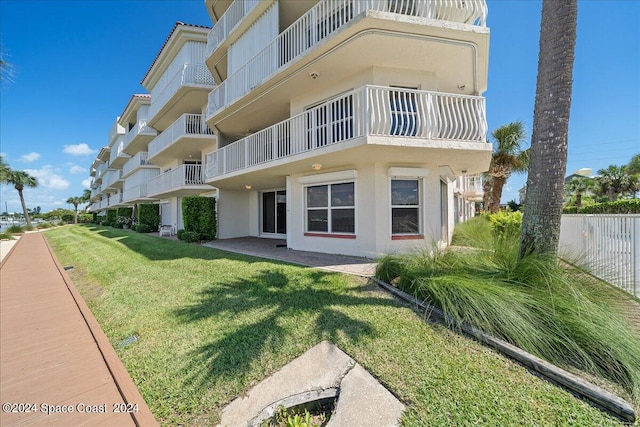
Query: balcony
{"points": [[470, 187], [232, 16], [117, 156], [138, 137], [319, 23], [112, 179], [184, 138], [188, 77], [116, 131], [412, 118], [136, 194], [135, 162], [100, 170], [183, 180], [115, 199]]}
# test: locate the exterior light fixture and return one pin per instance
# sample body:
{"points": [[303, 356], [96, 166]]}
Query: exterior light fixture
{"points": [[462, 86], [247, 186], [463, 171], [314, 75], [316, 166]]}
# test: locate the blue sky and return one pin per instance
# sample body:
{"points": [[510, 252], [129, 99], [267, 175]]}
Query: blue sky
{"points": [[76, 63]]}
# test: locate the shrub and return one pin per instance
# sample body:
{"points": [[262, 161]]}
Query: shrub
{"points": [[625, 206], [85, 218], [111, 216], [149, 214], [124, 220], [44, 225], [570, 210], [13, 229], [94, 217], [105, 223], [190, 236], [117, 225], [124, 211], [144, 228], [199, 215], [180, 233], [506, 224], [5, 235]]}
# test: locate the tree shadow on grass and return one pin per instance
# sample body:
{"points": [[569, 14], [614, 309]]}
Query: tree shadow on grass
{"points": [[261, 314], [159, 249]]}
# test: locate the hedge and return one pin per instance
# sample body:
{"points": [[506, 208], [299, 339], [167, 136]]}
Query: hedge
{"points": [[199, 214], [126, 212], [112, 216], [149, 214], [625, 206]]}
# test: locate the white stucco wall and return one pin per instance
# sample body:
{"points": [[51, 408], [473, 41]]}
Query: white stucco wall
{"points": [[235, 213]]}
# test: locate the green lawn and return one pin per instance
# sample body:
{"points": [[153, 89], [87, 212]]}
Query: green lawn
{"points": [[212, 324]]}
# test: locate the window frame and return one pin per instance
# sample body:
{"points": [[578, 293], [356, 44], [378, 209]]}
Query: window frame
{"points": [[419, 206], [329, 209]]}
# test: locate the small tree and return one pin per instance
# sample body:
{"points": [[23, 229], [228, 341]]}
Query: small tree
{"points": [[579, 186], [75, 201], [508, 156], [21, 179]]}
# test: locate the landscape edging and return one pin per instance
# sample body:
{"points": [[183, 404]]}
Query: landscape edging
{"points": [[591, 392]]}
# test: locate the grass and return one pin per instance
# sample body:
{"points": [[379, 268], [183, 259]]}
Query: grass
{"points": [[213, 324], [547, 308]]}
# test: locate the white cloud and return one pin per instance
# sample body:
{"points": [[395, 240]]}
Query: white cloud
{"points": [[78, 150], [31, 157], [77, 169], [86, 183], [47, 178]]}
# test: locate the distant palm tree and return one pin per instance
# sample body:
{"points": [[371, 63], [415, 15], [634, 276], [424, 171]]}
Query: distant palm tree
{"points": [[21, 179], [579, 186], [615, 181], [549, 142], [75, 201], [508, 156]]}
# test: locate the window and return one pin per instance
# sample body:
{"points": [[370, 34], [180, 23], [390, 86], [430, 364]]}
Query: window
{"points": [[404, 113], [405, 206], [331, 208]]}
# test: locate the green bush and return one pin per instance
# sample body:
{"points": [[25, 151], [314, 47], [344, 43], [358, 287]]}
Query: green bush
{"points": [[117, 225], [180, 233], [124, 211], [199, 215], [625, 206], [570, 210], [94, 217], [105, 223], [13, 229], [506, 224], [149, 214], [112, 216], [85, 218], [190, 236], [144, 228], [44, 225]]}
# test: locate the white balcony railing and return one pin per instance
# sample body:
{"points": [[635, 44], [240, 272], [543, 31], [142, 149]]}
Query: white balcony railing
{"points": [[100, 170], [111, 177], [367, 111], [188, 74], [136, 161], [182, 176], [320, 22], [134, 193], [140, 128], [231, 17], [186, 125], [115, 199], [470, 185], [116, 150], [115, 131]]}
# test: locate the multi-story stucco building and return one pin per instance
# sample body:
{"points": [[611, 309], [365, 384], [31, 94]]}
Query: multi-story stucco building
{"points": [[342, 126]]}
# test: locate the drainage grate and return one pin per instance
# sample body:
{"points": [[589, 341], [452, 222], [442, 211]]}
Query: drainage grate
{"points": [[127, 341]]}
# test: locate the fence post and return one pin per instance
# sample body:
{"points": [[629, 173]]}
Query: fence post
{"points": [[635, 255]]}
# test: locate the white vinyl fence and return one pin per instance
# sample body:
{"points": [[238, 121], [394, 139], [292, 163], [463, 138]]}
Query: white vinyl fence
{"points": [[608, 246]]}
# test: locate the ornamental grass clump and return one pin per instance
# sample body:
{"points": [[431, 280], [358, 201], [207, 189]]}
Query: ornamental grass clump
{"points": [[547, 308]]}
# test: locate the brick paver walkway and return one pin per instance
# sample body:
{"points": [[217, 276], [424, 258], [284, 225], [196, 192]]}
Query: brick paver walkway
{"points": [[53, 355]]}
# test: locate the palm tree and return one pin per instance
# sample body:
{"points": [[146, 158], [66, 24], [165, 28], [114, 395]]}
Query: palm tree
{"points": [[579, 186], [487, 184], [75, 201], [615, 181], [508, 156], [5, 171], [548, 162], [21, 179]]}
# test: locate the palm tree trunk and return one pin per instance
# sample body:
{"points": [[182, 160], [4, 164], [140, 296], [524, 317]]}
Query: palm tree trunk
{"points": [[578, 200], [24, 209], [75, 216], [496, 193], [486, 195], [548, 162]]}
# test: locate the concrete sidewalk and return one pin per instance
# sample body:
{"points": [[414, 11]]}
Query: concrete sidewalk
{"points": [[56, 365]]}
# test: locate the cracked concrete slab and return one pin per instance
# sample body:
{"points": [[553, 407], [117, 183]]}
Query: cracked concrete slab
{"points": [[362, 400]]}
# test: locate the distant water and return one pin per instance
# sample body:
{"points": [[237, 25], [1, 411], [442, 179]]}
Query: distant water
{"points": [[5, 225]]}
